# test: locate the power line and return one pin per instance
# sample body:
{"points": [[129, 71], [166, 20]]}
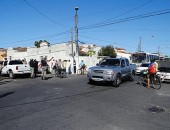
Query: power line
{"points": [[44, 14], [66, 32], [131, 10], [161, 12], [95, 39]]}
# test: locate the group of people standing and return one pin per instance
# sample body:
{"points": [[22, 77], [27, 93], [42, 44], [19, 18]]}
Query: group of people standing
{"points": [[57, 67], [61, 67]]}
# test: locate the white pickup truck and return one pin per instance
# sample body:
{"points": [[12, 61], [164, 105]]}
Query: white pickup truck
{"points": [[112, 70], [15, 67]]}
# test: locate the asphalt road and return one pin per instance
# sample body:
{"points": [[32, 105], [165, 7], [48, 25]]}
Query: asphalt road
{"points": [[73, 104]]}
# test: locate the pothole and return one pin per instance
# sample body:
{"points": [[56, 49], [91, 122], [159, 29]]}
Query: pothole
{"points": [[155, 109]]}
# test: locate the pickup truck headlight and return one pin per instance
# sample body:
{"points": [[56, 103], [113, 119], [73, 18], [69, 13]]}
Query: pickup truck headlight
{"points": [[109, 72]]}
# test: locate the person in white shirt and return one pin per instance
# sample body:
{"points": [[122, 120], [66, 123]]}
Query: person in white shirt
{"points": [[68, 67], [53, 67]]}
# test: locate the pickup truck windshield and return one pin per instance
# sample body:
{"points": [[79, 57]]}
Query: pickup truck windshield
{"points": [[144, 65], [112, 62]]}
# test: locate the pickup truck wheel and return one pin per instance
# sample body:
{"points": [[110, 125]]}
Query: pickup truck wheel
{"points": [[91, 81], [11, 75], [117, 81], [132, 76]]}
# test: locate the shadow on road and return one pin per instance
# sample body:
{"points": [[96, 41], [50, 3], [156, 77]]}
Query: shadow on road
{"points": [[57, 98], [6, 94]]}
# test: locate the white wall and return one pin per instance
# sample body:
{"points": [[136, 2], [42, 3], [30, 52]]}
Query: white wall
{"points": [[89, 61], [58, 51], [125, 55]]}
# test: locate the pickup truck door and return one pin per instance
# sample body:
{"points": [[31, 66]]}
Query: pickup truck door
{"points": [[123, 68], [128, 68]]}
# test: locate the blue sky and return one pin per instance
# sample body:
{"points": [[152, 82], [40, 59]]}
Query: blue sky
{"points": [[25, 21]]}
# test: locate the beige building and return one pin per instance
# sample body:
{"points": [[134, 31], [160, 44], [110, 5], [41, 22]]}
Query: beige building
{"points": [[3, 54], [121, 52]]}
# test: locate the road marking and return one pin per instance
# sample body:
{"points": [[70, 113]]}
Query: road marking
{"points": [[163, 94]]}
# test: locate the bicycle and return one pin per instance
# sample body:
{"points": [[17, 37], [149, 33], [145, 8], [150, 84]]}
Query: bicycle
{"points": [[155, 80], [61, 73]]}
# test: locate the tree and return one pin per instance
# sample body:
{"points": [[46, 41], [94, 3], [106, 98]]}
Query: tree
{"points": [[37, 43], [107, 51], [90, 52]]}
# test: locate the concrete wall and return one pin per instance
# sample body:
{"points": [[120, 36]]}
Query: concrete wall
{"points": [[58, 51], [61, 51], [14, 54]]}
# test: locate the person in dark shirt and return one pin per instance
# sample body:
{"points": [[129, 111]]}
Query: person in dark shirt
{"points": [[31, 63], [43, 69], [74, 64], [35, 68]]}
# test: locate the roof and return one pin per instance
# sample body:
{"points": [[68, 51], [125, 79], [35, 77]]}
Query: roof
{"points": [[20, 49]]}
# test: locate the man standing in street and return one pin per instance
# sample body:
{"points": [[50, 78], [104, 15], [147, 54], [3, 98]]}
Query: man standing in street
{"points": [[60, 67], [53, 67], [43, 69], [35, 68], [82, 67], [31, 63], [74, 64]]}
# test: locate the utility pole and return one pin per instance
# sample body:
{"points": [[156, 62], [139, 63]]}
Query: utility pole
{"points": [[72, 49], [139, 45], [158, 50], [76, 35]]}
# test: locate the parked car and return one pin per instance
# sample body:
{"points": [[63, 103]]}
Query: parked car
{"points": [[164, 70], [15, 67], [164, 73], [112, 70], [142, 67]]}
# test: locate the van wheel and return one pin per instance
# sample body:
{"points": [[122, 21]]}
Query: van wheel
{"points": [[11, 75], [117, 81]]}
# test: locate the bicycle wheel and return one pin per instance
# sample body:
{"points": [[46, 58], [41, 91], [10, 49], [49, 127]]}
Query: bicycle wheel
{"points": [[156, 83], [141, 79], [56, 73]]}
